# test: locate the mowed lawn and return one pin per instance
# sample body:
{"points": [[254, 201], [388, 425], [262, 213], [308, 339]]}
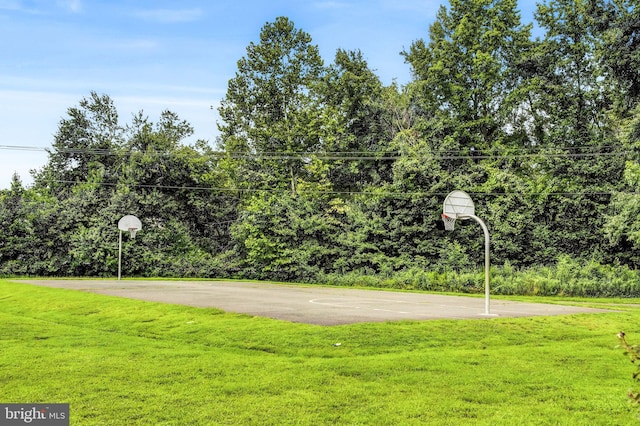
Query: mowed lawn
{"points": [[125, 362]]}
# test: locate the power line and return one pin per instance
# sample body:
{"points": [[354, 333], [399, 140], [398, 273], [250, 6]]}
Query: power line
{"points": [[22, 148], [361, 155], [539, 149], [374, 192]]}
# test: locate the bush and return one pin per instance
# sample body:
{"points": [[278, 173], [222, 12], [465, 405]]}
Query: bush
{"points": [[568, 277], [633, 352]]}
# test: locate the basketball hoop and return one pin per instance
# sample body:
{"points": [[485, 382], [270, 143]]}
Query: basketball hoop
{"points": [[131, 224], [126, 223], [449, 222], [458, 205]]}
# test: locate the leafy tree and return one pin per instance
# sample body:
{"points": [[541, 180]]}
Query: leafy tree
{"points": [[289, 237], [574, 92], [581, 159], [465, 72], [155, 154], [324, 170], [471, 99], [618, 23], [66, 225], [15, 229], [87, 140], [355, 117], [622, 226], [271, 110], [33, 235]]}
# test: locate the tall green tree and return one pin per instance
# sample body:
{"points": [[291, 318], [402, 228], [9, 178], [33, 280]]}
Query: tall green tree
{"points": [[574, 96], [618, 23], [581, 159], [465, 72], [148, 170], [622, 226], [86, 142], [355, 123], [270, 114], [289, 237], [472, 123]]}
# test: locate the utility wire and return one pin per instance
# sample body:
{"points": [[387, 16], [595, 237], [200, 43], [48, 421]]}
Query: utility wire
{"points": [[374, 192], [371, 153], [360, 155]]}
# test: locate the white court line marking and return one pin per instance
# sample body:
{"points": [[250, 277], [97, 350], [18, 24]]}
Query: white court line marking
{"points": [[338, 305], [424, 304], [343, 305], [342, 301], [395, 312]]}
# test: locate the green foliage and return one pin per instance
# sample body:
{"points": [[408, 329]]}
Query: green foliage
{"points": [[619, 54], [322, 171], [87, 139], [272, 105], [567, 278], [66, 224], [356, 114], [465, 72], [633, 352], [288, 237]]}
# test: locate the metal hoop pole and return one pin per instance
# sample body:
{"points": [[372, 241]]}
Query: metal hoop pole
{"points": [[119, 255], [487, 266]]}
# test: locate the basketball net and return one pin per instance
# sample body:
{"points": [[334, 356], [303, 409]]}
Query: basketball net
{"points": [[449, 222], [133, 231]]}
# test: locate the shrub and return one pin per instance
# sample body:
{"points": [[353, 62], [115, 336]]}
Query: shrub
{"points": [[633, 352], [568, 277]]}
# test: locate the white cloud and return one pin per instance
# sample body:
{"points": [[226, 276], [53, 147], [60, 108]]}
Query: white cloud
{"points": [[74, 6], [419, 7], [10, 5], [330, 5], [127, 45], [170, 15], [19, 6]]}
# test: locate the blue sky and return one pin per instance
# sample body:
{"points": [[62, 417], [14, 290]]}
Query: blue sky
{"points": [[154, 55]]}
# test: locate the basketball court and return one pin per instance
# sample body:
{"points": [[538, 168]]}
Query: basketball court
{"points": [[312, 304], [316, 304]]}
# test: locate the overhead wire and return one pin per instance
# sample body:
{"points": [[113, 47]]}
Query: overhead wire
{"points": [[375, 192], [357, 156], [508, 153]]}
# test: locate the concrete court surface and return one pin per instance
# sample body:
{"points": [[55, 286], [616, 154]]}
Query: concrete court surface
{"points": [[312, 304]]}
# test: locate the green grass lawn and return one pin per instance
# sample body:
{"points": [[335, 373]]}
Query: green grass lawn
{"points": [[124, 362]]}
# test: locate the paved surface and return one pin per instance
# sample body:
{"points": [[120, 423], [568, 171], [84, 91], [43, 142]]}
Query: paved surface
{"points": [[313, 305]]}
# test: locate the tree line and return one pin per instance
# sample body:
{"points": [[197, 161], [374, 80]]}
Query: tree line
{"points": [[321, 170]]}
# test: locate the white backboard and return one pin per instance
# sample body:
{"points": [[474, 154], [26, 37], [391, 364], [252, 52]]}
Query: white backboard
{"points": [[129, 223], [458, 203]]}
